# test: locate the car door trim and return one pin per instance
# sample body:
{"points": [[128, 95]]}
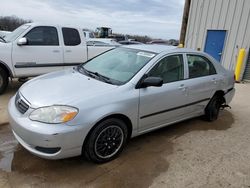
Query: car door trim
{"points": [[175, 108], [30, 65]]}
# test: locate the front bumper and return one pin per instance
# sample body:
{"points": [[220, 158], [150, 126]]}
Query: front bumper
{"points": [[56, 140]]}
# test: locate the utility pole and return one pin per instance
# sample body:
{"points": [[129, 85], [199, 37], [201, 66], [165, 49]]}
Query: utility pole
{"points": [[184, 21]]}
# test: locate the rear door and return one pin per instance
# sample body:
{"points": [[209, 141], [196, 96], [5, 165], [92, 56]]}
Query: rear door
{"points": [[40, 55], [75, 50], [165, 104], [202, 81]]}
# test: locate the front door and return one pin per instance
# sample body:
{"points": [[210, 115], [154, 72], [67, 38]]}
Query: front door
{"points": [[215, 43], [165, 104], [42, 53]]}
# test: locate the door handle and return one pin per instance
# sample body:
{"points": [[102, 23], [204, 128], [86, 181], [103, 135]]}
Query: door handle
{"points": [[56, 51], [214, 80], [68, 51], [182, 87]]}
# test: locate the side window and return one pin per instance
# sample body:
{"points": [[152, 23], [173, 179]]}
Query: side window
{"points": [[42, 36], [71, 37], [170, 69], [199, 66]]}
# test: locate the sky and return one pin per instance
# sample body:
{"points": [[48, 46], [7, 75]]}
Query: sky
{"points": [[154, 18]]}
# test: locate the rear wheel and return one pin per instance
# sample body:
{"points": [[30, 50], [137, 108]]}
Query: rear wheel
{"points": [[213, 108], [4, 80], [106, 141]]}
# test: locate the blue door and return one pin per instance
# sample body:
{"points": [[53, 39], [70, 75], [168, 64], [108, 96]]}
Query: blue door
{"points": [[215, 43]]}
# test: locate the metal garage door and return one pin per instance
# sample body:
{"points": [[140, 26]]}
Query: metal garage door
{"points": [[246, 75]]}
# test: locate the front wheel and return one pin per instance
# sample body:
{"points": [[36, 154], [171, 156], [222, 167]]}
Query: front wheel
{"points": [[4, 80], [106, 141], [213, 108]]}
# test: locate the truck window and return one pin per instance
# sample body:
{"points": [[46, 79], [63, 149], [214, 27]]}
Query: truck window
{"points": [[43, 36], [71, 37]]}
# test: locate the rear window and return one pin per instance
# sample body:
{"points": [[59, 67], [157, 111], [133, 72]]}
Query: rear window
{"points": [[71, 37]]}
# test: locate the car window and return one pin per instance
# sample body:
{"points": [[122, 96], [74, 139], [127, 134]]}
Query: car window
{"points": [[199, 66], [71, 37], [170, 69], [42, 36]]}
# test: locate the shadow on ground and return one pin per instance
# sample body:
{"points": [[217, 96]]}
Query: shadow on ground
{"points": [[143, 159]]}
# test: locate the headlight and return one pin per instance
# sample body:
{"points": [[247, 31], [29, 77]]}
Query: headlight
{"points": [[54, 114]]}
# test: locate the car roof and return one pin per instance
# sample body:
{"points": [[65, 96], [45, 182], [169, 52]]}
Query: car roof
{"points": [[151, 47], [53, 25], [157, 48]]}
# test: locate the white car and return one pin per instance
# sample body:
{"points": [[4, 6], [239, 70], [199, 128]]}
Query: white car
{"points": [[95, 108], [3, 34], [93, 41], [102, 42]]}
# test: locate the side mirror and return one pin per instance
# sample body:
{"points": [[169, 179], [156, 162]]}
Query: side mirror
{"points": [[22, 41], [152, 81]]}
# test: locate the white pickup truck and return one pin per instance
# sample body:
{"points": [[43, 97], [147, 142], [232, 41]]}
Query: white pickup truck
{"points": [[34, 49]]}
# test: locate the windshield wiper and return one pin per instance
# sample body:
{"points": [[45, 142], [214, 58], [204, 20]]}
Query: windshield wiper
{"points": [[100, 76], [96, 75], [2, 39]]}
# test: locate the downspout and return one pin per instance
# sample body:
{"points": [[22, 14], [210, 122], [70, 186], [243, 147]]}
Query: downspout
{"points": [[184, 21]]}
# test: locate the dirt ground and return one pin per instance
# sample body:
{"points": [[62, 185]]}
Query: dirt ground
{"points": [[193, 153]]}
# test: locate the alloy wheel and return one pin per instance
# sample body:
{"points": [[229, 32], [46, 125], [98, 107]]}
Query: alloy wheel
{"points": [[109, 141]]}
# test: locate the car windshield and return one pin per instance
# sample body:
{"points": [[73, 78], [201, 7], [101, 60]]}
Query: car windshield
{"points": [[118, 65], [16, 33]]}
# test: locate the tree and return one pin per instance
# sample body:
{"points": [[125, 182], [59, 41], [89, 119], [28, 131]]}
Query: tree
{"points": [[10, 23]]}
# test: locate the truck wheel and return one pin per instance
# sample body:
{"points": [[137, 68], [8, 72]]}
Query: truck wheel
{"points": [[213, 108], [106, 141], [4, 80]]}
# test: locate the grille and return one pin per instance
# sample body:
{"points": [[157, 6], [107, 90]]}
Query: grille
{"points": [[21, 105]]}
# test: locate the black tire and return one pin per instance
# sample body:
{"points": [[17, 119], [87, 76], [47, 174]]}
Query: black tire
{"points": [[106, 141], [213, 108], [4, 80]]}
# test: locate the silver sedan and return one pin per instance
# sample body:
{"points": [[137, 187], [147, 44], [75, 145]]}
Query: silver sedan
{"points": [[95, 108]]}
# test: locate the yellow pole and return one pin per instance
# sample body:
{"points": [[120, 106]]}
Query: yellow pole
{"points": [[180, 46], [238, 68]]}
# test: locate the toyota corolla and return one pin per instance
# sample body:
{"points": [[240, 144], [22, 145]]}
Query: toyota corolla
{"points": [[95, 108]]}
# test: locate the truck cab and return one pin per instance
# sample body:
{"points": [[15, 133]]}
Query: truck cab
{"points": [[34, 49]]}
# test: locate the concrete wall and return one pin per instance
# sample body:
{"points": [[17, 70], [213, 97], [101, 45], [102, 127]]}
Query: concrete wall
{"points": [[230, 15]]}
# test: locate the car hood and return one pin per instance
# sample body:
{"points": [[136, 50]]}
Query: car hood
{"points": [[63, 88]]}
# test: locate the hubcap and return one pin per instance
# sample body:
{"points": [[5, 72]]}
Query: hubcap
{"points": [[109, 141]]}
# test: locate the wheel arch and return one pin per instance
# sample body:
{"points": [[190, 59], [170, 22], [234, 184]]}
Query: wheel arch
{"points": [[6, 68], [122, 117], [221, 94]]}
